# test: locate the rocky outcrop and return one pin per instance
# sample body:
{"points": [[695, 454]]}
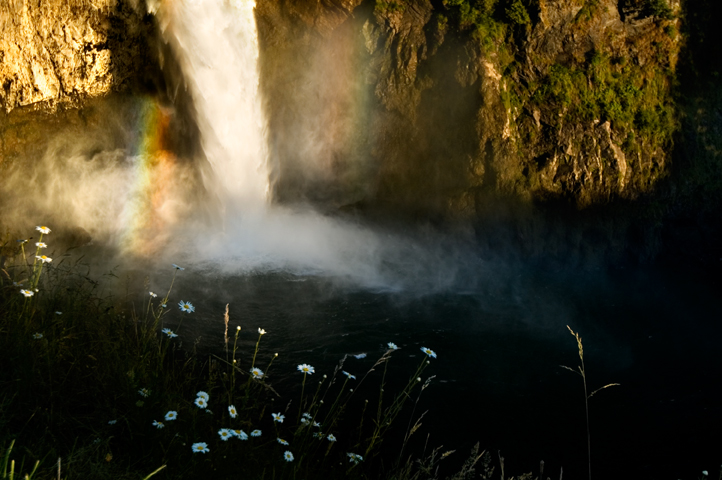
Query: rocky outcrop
{"points": [[533, 99], [595, 83], [63, 51], [423, 106]]}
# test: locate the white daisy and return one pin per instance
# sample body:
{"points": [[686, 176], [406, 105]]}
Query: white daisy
{"points": [[257, 373], [41, 245], [27, 293], [43, 258], [240, 434], [288, 456], [144, 392], [352, 457], [282, 441], [306, 369], [261, 331], [204, 395], [200, 447], [186, 307], [232, 411], [428, 352], [158, 424], [352, 377], [169, 332], [392, 346], [171, 415], [277, 417], [225, 434], [256, 433], [201, 402], [154, 295], [45, 230], [37, 336], [331, 438], [360, 356]]}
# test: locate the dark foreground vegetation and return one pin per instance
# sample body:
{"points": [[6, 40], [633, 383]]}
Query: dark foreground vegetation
{"points": [[94, 386]]}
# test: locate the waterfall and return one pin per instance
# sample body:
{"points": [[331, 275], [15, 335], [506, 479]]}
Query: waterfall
{"points": [[216, 44]]}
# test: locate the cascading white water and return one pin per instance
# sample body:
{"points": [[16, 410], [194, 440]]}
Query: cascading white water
{"points": [[216, 43]]}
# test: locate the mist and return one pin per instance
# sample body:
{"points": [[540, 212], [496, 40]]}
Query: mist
{"points": [[121, 178]]}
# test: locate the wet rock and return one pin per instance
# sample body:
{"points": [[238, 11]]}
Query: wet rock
{"points": [[58, 51]]}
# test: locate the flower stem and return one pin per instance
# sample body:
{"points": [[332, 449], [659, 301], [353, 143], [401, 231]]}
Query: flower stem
{"points": [[300, 405]]}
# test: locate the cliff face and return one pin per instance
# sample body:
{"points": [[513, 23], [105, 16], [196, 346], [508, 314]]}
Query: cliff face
{"points": [[436, 108], [458, 100], [83, 99], [55, 52]]}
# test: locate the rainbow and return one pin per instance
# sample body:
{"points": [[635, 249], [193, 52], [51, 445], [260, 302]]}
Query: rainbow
{"points": [[145, 217]]}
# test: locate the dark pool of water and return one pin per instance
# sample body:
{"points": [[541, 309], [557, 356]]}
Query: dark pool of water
{"points": [[654, 330]]}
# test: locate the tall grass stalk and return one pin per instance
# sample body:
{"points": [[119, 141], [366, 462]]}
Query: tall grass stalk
{"points": [[36, 270], [583, 373], [170, 288], [11, 474], [261, 332], [417, 424], [22, 249], [300, 404], [154, 472], [385, 417], [226, 319]]}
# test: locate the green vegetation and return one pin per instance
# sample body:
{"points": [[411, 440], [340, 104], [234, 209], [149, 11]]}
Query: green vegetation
{"points": [[116, 397], [483, 18], [587, 12], [612, 89], [660, 9], [470, 13], [635, 99], [383, 6], [517, 14]]}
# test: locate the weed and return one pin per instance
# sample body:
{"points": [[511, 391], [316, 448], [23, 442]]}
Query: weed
{"points": [[583, 373], [113, 383]]}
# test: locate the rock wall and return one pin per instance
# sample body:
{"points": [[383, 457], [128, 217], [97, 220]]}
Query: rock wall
{"points": [[429, 107], [462, 100], [62, 51]]}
